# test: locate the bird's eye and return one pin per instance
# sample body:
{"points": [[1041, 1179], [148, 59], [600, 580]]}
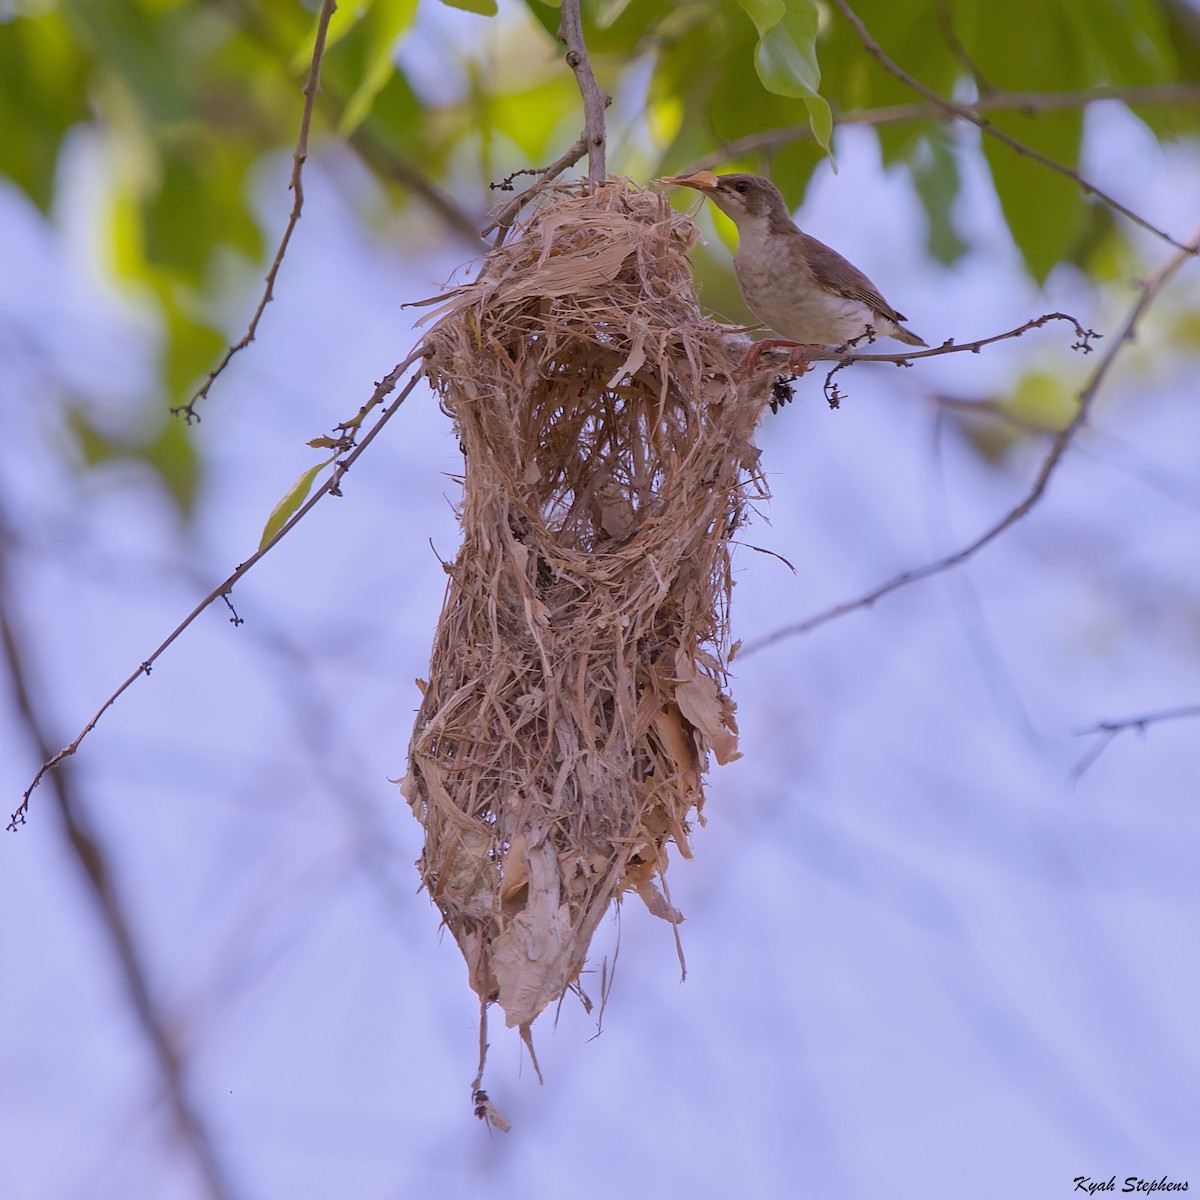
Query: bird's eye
{"points": [[742, 186]]}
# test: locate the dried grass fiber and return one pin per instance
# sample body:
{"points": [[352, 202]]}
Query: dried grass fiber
{"points": [[577, 683]]}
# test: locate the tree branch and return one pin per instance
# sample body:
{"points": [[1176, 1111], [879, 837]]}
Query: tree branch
{"points": [[1150, 288], [570, 31], [312, 85], [1110, 729], [951, 38], [221, 591], [592, 141], [982, 123], [847, 358], [1027, 103], [1140, 722], [504, 216]]}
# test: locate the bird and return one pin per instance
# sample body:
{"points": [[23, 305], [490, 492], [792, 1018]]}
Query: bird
{"points": [[797, 286]]}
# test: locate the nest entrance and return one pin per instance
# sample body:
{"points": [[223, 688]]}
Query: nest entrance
{"points": [[577, 683]]}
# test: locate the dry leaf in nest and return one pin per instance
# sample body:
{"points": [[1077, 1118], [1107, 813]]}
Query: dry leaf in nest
{"points": [[577, 682]]}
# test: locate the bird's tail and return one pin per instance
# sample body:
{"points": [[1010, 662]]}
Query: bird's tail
{"points": [[908, 337]]}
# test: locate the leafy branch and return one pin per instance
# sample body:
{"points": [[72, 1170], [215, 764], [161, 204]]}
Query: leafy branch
{"points": [[1026, 103], [1150, 289], [877, 52]]}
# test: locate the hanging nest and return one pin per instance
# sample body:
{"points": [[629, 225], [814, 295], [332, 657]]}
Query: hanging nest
{"points": [[577, 683]]}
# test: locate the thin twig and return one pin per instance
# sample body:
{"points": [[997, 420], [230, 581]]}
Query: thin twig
{"points": [[222, 590], [570, 31], [982, 123], [312, 85], [1026, 103], [1140, 722], [1150, 288], [1109, 730], [90, 856], [950, 34], [507, 212]]}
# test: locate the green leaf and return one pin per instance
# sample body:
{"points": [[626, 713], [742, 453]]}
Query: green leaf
{"points": [[139, 50], [172, 455], [94, 445], [607, 11], [42, 94], [1045, 211], [485, 8], [192, 346], [532, 116], [1043, 399], [935, 176], [287, 507], [765, 14], [383, 26], [199, 205], [786, 61], [168, 451]]}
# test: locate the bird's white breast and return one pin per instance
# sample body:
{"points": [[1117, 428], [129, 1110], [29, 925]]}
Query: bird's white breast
{"points": [[793, 305]]}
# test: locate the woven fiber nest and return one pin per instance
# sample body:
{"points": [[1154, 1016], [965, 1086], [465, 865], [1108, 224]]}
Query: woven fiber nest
{"points": [[577, 684]]}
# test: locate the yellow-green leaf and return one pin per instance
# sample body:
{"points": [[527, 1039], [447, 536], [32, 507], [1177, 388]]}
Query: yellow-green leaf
{"points": [[765, 14], [287, 508], [172, 455], [485, 8]]}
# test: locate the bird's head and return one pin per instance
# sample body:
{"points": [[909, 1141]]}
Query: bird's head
{"points": [[748, 200]]}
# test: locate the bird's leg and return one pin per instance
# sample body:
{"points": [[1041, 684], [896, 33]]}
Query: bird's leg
{"points": [[797, 358], [757, 348]]}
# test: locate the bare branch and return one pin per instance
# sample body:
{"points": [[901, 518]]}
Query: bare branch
{"points": [[1141, 722], [1150, 288], [90, 857], [221, 591], [847, 358], [982, 123], [507, 212], [1026, 103], [312, 85], [1109, 730], [570, 31]]}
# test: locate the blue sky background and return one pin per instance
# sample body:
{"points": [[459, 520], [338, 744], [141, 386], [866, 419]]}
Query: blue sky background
{"points": [[922, 961]]}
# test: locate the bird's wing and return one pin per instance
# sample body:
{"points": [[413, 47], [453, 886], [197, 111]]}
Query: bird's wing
{"points": [[843, 278]]}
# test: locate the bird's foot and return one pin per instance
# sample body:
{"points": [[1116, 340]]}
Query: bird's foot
{"points": [[797, 357]]}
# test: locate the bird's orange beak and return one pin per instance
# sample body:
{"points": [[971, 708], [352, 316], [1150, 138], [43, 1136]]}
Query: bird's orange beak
{"points": [[702, 181]]}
